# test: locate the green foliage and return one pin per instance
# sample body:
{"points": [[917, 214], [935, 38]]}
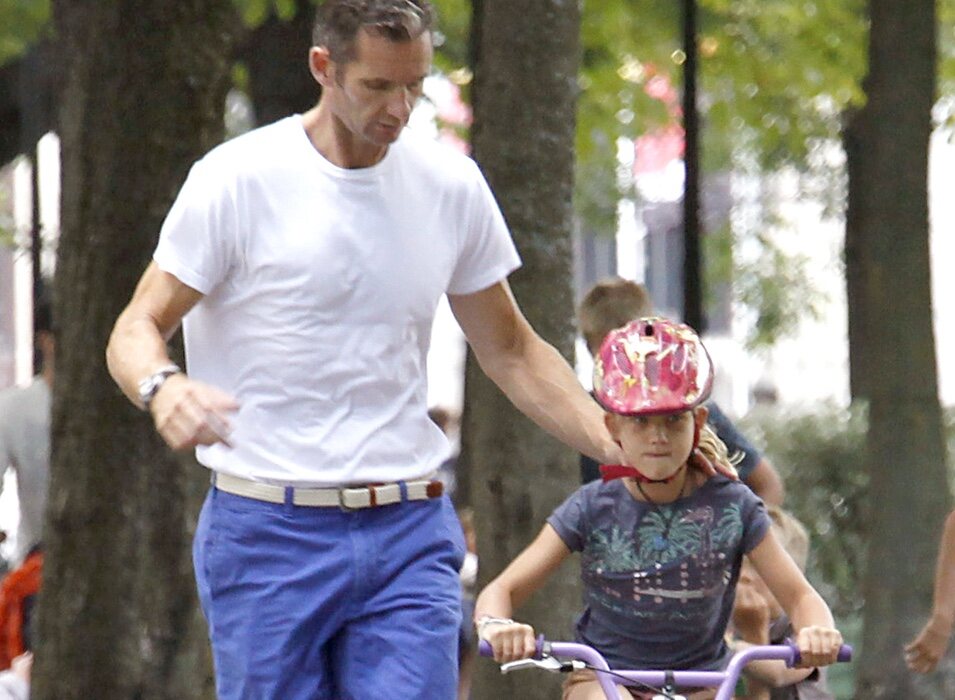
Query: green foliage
{"points": [[254, 12], [21, 23], [820, 456], [777, 74], [776, 287], [8, 237], [597, 191], [454, 26], [774, 74], [946, 46]]}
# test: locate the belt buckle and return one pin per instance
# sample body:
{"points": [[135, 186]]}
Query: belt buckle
{"points": [[344, 493]]}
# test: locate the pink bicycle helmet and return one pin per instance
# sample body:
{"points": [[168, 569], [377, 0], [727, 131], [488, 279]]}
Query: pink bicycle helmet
{"points": [[652, 366]]}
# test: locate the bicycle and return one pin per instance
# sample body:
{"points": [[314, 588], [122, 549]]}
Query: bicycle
{"points": [[581, 656]]}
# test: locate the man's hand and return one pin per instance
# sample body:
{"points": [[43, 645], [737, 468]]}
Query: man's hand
{"points": [[189, 413], [924, 652], [22, 666], [712, 469]]}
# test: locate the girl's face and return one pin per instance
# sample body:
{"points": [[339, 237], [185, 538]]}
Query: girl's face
{"points": [[656, 445]]}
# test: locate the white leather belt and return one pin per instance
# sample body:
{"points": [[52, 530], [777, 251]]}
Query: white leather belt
{"points": [[349, 498]]}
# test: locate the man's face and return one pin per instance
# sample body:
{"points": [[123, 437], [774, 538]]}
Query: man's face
{"points": [[373, 94]]}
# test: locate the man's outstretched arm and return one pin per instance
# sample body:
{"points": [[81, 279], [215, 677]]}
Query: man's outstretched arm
{"points": [[530, 371]]}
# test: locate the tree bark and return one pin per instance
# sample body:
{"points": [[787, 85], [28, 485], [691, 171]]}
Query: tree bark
{"points": [[526, 62], [892, 346], [142, 98], [276, 55]]}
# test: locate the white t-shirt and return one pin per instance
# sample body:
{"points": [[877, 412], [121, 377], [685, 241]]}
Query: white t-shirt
{"points": [[25, 446], [320, 288]]}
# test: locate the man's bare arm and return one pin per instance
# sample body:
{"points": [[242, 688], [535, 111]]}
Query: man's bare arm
{"points": [[766, 483], [137, 345], [533, 375], [186, 412]]}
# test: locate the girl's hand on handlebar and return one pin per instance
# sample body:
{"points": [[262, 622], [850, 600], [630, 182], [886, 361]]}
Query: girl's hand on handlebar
{"points": [[511, 641], [818, 646]]}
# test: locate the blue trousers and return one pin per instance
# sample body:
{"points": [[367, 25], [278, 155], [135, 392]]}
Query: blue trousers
{"points": [[310, 603]]}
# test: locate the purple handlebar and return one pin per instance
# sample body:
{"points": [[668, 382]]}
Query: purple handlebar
{"points": [[724, 680]]}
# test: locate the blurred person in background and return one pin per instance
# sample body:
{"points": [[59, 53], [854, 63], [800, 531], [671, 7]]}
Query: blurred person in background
{"points": [[25, 436], [924, 652]]}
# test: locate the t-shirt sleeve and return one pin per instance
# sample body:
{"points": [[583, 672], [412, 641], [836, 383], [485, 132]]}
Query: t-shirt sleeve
{"points": [[488, 254], [569, 521], [197, 241], [734, 440], [755, 520]]}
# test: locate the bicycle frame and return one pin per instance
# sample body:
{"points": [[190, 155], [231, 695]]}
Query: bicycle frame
{"points": [[725, 680]]}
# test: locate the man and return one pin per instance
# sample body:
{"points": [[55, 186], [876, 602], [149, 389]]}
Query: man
{"points": [[25, 437], [25, 447], [310, 256], [613, 303]]}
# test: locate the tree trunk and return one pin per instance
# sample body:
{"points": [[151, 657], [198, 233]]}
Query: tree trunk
{"points": [[525, 91], [142, 97], [692, 224], [276, 55], [892, 346]]}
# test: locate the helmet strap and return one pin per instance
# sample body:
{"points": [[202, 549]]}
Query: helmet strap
{"points": [[609, 472]]}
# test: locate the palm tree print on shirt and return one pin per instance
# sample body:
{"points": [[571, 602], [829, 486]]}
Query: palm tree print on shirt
{"points": [[674, 553]]}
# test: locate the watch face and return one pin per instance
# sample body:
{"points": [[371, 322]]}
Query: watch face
{"points": [[150, 385], [147, 388]]}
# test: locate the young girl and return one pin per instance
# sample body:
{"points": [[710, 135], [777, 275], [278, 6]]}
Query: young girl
{"points": [[662, 538]]}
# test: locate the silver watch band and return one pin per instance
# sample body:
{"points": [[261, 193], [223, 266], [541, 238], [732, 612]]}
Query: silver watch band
{"points": [[151, 384]]}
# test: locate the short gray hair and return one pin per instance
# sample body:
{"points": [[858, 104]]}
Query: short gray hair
{"points": [[337, 23]]}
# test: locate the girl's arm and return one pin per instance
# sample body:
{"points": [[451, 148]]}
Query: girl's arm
{"points": [[923, 653], [522, 577], [816, 636]]}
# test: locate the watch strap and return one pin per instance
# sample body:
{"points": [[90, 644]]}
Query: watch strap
{"points": [[151, 384]]}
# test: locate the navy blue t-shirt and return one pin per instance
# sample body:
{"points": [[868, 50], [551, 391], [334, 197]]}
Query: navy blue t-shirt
{"points": [[659, 580]]}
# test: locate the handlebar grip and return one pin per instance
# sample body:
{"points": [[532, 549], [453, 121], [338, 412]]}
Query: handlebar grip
{"points": [[485, 649], [844, 655]]}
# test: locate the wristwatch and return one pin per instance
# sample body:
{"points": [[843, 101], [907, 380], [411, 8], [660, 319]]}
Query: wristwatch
{"points": [[150, 385]]}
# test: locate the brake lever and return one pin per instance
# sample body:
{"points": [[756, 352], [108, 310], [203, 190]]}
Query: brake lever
{"points": [[548, 663]]}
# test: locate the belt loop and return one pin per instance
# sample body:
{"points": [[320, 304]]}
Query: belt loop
{"points": [[403, 487], [289, 499]]}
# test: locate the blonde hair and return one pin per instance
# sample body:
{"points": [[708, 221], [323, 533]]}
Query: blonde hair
{"points": [[715, 450], [791, 533], [610, 304]]}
